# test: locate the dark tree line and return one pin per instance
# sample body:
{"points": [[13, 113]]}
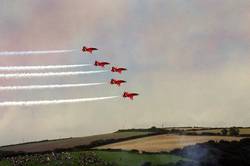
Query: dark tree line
{"points": [[233, 131]]}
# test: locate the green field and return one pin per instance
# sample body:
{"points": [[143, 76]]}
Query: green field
{"points": [[123, 158], [93, 158]]}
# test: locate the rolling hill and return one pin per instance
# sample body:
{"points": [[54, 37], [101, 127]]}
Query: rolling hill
{"points": [[50, 145]]}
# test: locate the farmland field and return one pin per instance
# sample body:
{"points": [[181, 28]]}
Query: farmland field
{"points": [[164, 142], [68, 142], [245, 131]]}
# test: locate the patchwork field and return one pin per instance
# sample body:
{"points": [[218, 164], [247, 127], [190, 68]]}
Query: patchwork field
{"points": [[68, 142], [164, 142]]}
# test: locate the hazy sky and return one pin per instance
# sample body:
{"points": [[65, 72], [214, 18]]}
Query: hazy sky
{"points": [[189, 60]]}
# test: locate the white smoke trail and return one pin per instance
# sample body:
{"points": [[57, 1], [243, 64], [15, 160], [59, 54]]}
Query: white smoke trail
{"points": [[48, 74], [49, 102], [31, 87], [6, 53], [16, 68]]}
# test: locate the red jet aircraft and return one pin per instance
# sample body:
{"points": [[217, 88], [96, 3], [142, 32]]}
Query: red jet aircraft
{"points": [[130, 95], [88, 49], [117, 82], [101, 64], [118, 69]]}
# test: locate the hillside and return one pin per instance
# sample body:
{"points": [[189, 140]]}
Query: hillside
{"points": [[174, 137], [211, 153], [88, 141], [92, 158]]}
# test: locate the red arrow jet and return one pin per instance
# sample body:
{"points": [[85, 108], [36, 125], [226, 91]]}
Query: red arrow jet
{"points": [[117, 82], [101, 64], [118, 69], [130, 95], [88, 49]]}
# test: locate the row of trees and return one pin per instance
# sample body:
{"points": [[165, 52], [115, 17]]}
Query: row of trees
{"points": [[234, 131]]}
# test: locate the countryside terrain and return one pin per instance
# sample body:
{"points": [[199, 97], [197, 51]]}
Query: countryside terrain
{"points": [[136, 147], [92, 158], [50, 145], [161, 143]]}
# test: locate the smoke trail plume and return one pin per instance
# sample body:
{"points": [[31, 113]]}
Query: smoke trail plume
{"points": [[6, 53], [16, 68], [48, 74], [49, 102], [31, 87]]}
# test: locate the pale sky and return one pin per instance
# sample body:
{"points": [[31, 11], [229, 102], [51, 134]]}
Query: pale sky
{"points": [[189, 60]]}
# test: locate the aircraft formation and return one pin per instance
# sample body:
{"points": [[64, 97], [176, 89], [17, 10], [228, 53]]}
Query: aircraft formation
{"points": [[42, 71], [114, 69]]}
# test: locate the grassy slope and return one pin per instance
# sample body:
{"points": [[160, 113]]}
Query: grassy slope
{"points": [[123, 158], [119, 158], [68, 143]]}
